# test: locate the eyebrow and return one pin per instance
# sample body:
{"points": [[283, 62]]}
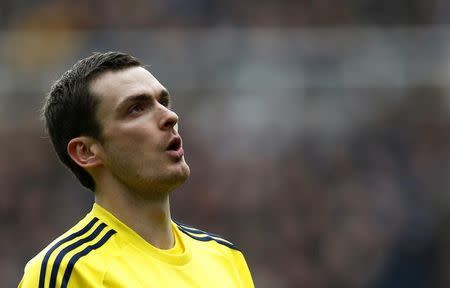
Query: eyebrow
{"points": [[164, 94]]}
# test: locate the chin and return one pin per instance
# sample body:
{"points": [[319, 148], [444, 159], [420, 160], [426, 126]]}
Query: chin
{"points": [[185, 172], [180, 174]]}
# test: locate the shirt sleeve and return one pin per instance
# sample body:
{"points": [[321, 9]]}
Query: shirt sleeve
{"points": [[243, 270], [30, 276]]}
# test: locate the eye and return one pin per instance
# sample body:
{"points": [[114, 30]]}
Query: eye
{"points": [[136, 108], [164, 101]]}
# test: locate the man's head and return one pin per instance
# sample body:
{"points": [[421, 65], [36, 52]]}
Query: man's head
{"points": [[108, 115]]}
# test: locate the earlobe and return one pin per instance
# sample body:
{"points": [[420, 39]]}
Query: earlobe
{"points": [[83, 152]]}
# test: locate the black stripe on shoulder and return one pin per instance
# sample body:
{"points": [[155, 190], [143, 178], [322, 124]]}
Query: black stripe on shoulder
{"points": [[195, 230], [82, 253], [69, 248], [58, 244], [194, 233]]}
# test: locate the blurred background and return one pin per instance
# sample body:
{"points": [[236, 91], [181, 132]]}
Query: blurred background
{"points": [[316, 131]]}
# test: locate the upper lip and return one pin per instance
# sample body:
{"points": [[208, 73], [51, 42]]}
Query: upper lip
{"points": [[174, 143]]}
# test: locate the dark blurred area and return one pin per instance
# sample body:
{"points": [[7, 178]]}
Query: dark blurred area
{"points": [[104, 14], [316, 131]]}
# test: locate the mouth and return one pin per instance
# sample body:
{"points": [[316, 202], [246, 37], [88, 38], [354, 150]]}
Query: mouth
{"points": [[175, 148]]}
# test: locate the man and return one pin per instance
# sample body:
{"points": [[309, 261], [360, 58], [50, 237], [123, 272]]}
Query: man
{"points": [[110, 122]]}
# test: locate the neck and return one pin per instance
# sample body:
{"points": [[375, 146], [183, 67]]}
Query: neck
{"points": [[149, 218]]}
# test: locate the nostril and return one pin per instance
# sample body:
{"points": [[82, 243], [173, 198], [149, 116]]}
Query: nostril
{"points": [[170, 121]]}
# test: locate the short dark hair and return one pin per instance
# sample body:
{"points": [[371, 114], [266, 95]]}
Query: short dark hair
{"points": [[70, 108]]}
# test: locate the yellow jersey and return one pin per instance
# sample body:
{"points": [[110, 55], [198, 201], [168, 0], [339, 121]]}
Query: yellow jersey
{"points": [[101, 251]]}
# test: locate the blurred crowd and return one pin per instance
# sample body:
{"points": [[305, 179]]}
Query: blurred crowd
{"points": [[87, 14], [323, 154]]}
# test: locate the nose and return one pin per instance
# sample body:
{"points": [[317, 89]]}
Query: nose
{"points": [[168, 119]]}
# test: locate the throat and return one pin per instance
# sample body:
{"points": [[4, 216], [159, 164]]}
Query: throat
{"points": [[155, 227], [149, 219]]}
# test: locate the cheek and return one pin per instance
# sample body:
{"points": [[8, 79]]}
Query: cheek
{"points": [[134, 141], [137, 135]]}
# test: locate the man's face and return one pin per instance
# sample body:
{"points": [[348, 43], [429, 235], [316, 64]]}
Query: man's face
{"points": [[141, 147]]}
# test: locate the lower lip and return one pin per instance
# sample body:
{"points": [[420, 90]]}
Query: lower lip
{"points": [[177, 154]]}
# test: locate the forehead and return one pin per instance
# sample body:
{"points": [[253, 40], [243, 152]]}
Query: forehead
{"points": [[112, 87]]}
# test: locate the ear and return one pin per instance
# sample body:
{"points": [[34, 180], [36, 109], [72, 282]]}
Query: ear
{"points": [[84, 151]]}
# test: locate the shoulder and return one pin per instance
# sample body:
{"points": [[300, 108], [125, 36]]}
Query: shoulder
{"points": [[66, 255], [216, 249], [203, 236]]}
